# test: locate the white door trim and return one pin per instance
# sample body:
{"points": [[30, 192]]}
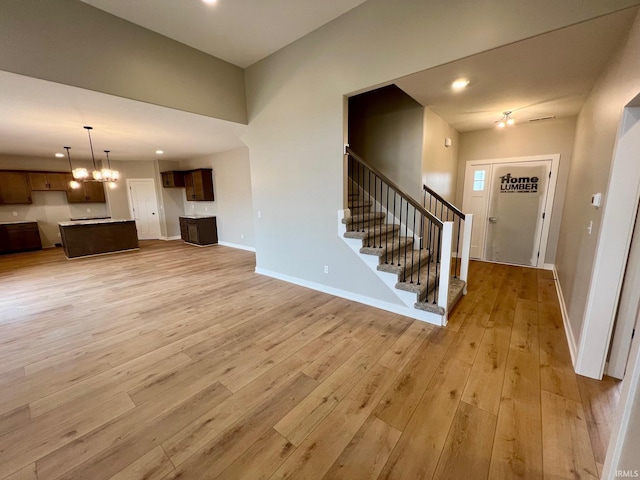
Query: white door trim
{"points": [[612, 250], [551, 191], [155, 218]]}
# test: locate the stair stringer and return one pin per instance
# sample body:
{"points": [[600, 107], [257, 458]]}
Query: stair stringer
{"points": [[408, 299]]}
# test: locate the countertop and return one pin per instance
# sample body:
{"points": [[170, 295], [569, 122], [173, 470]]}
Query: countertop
{"points": [[91, 222], [18, 221], [197, 216]]}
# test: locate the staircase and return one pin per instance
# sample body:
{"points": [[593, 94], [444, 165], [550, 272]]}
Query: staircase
{"points": [[407, 246]]}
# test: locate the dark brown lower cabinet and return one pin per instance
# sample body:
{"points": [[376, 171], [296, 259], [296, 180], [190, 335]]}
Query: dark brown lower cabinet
{"points": [[19, 237], [199, 230], [81, 239]]}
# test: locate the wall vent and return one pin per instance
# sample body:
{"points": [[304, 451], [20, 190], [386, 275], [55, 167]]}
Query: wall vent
{"points": [[539, 119]]}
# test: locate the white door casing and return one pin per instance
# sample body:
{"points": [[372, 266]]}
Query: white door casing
{"points": [[143, 207], [478, 203]]}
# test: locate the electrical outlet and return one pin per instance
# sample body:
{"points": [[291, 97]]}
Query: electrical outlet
{"points": [[326, 269], [15, 214], [88, 210]]}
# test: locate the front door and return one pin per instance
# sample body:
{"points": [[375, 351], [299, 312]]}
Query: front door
{"points": [[517, 201], [511, 200], [144, 207]]}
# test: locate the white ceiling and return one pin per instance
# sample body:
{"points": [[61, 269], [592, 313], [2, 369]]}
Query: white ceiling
{"points": [[38, 118], [238, 31], [551, 74], [547, 75]]}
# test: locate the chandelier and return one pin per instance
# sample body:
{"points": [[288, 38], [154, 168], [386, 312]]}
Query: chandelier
{"points": [[505, 120], [106, 175]]}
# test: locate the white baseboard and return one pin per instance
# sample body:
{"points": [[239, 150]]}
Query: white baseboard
{"points": [[235, 245], [549, 266], [573, 346], [414, 313], [166, 239]]}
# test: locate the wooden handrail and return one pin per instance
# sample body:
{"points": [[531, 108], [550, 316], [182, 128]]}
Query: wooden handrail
{"points": [[450, 206], [400, 192]]}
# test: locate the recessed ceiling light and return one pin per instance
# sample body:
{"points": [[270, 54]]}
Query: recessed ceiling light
{"points": [[210, 2], [159, 152], [460, 83], [60, 155]]}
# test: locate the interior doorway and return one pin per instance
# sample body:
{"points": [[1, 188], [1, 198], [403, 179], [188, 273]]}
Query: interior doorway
{"points": [[143, 207], [511, 200]]}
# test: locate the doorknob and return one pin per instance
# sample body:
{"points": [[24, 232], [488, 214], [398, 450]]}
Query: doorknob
{"points": [[493, 219]]}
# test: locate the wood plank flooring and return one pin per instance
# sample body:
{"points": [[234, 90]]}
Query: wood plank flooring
{"points": [[177, 362]]}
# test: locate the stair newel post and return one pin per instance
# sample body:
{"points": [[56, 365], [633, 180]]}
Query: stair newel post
{"points": [[445, 267], [466, 249], [438, 258]]}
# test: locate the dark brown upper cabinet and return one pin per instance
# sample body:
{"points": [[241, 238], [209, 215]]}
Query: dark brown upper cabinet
{"points": [[199, 185], [173, 179], [14, 188], [46, 181], [89, 192]]}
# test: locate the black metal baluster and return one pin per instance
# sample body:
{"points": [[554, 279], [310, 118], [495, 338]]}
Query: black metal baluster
{"points": [[406, 235], [412, 249], [399, 234], [383, 223], [393, 237], [386, 234], [422, 219]]}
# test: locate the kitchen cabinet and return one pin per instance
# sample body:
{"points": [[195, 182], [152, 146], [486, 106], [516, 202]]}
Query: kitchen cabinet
{"points": [[199, 185], [199, 230], [14, 188], [173, 179], [47, 181], [89, 192], [95, 237], [19, 237]]}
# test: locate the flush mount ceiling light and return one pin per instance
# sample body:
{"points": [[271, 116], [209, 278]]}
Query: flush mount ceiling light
{"points": [[159, 152], [460, 84], [59, 155], [210, 2], [505, 120]]}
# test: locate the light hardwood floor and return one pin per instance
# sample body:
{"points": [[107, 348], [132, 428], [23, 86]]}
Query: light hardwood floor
{"points": [[181, 362]]}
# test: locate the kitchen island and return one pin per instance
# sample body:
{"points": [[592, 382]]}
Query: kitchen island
{"points": [[97, 237]]}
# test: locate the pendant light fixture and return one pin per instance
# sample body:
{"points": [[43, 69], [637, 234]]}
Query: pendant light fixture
{"points": [[105, 175], [505, 120], [73, 183]]}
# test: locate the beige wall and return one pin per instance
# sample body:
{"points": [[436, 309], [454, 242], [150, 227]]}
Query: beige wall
{"points": [[117, 198], [70, 42], [385, 129], [595, 138], [440, 163], [232, 192], [522, 139], [295, 103], [48, 208]]}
